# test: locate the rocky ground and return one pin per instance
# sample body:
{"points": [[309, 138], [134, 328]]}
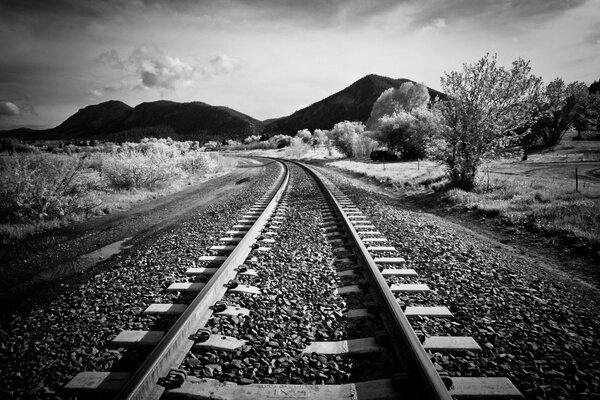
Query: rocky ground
{"points": [[297, 305], [536, 327], [42, 348]]}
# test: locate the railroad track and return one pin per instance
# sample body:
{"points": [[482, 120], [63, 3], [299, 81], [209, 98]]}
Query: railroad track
{"points": [[283, 316]]}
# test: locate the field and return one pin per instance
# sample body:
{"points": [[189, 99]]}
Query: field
{"points": [[49, 187], [541, 193]]}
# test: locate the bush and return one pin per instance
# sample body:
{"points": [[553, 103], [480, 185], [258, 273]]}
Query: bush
{"points": [[44, 187], [280, 141], [137, 170]]}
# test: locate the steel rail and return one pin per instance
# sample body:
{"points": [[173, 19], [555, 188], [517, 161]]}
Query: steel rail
{"points": [[425, 381], [174, 346]]}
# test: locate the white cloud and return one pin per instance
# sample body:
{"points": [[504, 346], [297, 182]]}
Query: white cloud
{"points": [[94, 93], [9, 109], [150, 68], [155, 69], [221, 64]]}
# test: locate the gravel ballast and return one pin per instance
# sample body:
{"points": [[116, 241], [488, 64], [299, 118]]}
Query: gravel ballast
{"points": [[541, 332], [42, 350], [297, 305]]}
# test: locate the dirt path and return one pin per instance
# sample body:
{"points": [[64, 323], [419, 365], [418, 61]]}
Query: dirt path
{"points": [[45, 261], [551, 259]]}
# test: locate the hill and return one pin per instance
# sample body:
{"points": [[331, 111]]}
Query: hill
{"points": [[115, 120], [91, 121], [354, 103]]}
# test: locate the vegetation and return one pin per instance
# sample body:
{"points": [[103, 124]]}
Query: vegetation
{"points": [[486, 106], [544, 202], [542, 207], [350, 138], [44, 188]]}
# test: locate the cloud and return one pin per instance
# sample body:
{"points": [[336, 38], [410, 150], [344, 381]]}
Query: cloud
{"points": [[94, 93], [111, 59], [502, 14], [150, 68], [221, 64], [8, 108], [436, 23], [158, 70]]}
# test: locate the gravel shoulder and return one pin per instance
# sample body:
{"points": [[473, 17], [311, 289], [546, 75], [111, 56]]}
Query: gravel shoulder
{"points": [[548, 255], [39, 267], [43, 347], [537, 323]]}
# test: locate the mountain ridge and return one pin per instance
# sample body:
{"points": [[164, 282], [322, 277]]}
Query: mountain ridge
{"points": [[115, 120]]}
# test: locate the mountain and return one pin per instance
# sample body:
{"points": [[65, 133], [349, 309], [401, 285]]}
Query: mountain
{"points": [[115, 120], [92, 121], [354, 103]]}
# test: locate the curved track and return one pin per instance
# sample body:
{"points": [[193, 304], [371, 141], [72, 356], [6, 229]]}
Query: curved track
{"points": [[357, 252]]}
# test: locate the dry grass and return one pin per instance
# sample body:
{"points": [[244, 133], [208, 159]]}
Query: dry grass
{"points": [[406, 174], [44, 190], [298, 153], [542, 207], [538, 194]]}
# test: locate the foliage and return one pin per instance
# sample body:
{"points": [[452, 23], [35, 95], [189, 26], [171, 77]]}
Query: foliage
{"points": [[400, 120], [558, 111], [407, 132], [363, 146], [212, 145], [320, 136], [44, 186], [587, 113], [345, 137], [252, 139], [298, 147], [305, 136], [538, 207], [407, 97], [485, 107], [595, 87], [233, 142], [280, 141]]}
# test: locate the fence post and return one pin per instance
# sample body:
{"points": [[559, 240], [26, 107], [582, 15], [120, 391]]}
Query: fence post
{"points": [[576, 180]]}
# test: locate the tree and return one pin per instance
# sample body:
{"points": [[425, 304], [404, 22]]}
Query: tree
{"points": [[558, 110], [486, 105], [320, 136], [252, 139], [398, 118], [595, 87], [345, 136], [407, 97], [304, 135], [586, 115], [280, 141], [407, 132]]}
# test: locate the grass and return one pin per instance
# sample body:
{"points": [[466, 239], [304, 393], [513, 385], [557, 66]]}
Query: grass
{"points": [[541, 207], [539, 194], [42, 190]]}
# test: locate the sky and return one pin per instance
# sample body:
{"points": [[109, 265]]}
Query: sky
{"points": [[268, 58]]}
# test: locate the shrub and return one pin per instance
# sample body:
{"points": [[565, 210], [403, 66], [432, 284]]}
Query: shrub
{"points": [[136, 170], [280, 141], [44, 187]]}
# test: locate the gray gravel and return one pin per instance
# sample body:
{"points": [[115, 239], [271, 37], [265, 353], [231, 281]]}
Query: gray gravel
{"points": [[540, 332], [41, 351], [297, 305]]}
